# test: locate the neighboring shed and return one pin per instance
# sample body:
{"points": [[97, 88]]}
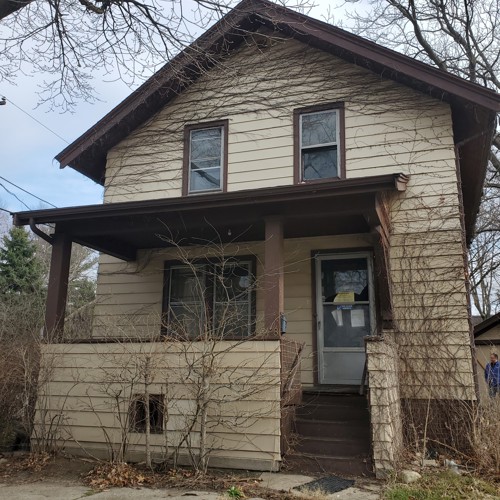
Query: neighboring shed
{"points": [[487, 340]]}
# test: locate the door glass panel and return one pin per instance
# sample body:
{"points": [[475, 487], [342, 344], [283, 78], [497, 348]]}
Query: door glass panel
{"points": [[346, 307], [346, 325]]}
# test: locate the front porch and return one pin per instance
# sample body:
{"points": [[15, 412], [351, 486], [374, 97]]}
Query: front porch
{"points": [[297, 236]]}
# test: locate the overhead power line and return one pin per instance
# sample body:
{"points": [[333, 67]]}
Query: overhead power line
{"points": [[28, 192], [15, 196], [10, 101]]}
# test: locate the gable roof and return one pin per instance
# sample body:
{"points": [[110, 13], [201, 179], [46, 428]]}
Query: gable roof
{"points": [[486, 325], [474, 107]]}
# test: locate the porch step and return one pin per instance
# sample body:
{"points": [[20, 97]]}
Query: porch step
{"points": [[331, 428], [347, 448], [353, 400], [314, 464], [333, 434], [342, 411]]}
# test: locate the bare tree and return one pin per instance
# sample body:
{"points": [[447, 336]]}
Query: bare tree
{"points": [[73, 41], [460, 37]]}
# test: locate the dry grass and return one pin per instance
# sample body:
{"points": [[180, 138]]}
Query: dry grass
{"points": [[444, 486], [486, 438]]}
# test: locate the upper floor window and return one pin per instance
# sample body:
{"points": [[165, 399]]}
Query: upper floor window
{"points": [[205, 158], [318, 145]]}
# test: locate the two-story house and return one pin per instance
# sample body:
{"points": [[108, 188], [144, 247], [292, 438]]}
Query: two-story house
{"points": [[280, 183]]}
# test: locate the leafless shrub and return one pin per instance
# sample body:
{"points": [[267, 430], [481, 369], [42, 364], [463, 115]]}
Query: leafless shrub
{"points": [[485, 436], [20, 327], [172, 396]]}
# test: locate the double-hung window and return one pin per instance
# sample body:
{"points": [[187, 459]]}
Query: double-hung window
{"points": [[319, 151], [209, 300], [205, 157]]}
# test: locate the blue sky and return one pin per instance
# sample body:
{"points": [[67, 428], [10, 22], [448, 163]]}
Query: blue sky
{"points": [[28, 149]]}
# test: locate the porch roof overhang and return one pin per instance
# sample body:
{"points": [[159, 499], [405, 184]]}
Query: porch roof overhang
{"points": [[474, 107], [120, 229]]}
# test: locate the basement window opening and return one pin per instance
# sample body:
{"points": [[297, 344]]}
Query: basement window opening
{"points": [[138, 413]]}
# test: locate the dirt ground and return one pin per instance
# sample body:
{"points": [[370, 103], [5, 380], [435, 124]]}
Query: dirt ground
{"points": [[23, 477], [19, 468]]}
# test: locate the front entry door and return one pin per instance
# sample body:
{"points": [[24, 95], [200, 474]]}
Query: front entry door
{"points": [[344, 298]]}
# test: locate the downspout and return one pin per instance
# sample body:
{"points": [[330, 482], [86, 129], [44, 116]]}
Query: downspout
{"points": [[40, 233]]}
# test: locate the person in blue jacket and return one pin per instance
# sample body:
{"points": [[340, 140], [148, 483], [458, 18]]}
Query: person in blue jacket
{"points": [[492, 375]]}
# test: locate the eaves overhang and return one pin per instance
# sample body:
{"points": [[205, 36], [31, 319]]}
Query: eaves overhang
{"points": [[345, 206], [88, 153]]}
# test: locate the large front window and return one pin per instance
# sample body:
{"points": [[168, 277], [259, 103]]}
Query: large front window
{"points": [[209, 300], [319, 151]]}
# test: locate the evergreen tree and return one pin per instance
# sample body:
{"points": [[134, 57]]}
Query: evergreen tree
{"points": [[20, 269]]}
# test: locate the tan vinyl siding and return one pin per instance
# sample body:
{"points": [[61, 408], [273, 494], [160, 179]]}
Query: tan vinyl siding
{"points": [[429, 293], [388, 128], [428, 290], [129, 294], [83, 380]]}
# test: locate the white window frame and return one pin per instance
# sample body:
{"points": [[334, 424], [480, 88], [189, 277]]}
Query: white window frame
{"points": [[320, 145], [221, 161]]}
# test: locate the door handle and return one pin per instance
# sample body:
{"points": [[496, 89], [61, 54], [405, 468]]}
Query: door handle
{"points": [[319, 324]]}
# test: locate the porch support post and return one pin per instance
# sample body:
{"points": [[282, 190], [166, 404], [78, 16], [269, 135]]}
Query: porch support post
{"points": [[57, 291], [382, 262], [274, 300]]}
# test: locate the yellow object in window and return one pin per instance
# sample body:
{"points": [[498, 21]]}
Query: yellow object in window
{"points": [[343, 297]]}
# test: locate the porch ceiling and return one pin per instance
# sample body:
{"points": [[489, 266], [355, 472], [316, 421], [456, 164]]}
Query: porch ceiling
{"points": [[120, 229]]}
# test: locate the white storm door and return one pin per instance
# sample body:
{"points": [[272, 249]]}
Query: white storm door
{"points": [[344, 299]]}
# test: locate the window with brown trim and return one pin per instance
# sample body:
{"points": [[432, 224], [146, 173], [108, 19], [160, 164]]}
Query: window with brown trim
{"points": [[205, 158], [319, 143], [156, 413], [209, 299]]}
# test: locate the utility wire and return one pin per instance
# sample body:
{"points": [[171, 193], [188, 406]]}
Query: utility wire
{"points": [[15, 185], [35, 119], [6, 211], [15, 196], [28, 192]]}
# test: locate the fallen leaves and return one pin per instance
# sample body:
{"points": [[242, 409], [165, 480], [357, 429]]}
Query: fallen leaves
{"points": [[112, 475]]}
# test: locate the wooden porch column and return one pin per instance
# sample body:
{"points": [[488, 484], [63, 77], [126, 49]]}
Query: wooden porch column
{"points": [[274, 299], [57, 291]]}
